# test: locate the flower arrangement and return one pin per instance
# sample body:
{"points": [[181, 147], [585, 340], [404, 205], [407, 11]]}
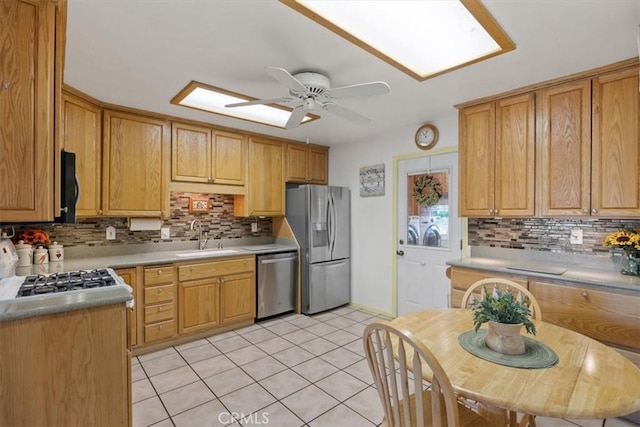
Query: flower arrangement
{"points": [[627, 240], [32, 237], [502, 307]]}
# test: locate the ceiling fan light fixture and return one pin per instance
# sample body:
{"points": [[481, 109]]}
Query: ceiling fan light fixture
{"points": [[212, 99]]}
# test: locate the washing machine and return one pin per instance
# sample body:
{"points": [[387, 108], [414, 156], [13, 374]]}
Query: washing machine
{"points": [[413, 231]]}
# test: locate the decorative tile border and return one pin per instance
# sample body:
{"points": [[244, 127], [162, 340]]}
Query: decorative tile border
{"points": [[219, 221], [546, 234]]}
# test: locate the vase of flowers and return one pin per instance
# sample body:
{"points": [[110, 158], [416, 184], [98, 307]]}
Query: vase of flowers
{"points": [[505, 315], [629, 242]]}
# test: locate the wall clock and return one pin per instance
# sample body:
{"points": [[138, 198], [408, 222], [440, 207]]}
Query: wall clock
{"points": [[426, 137]]}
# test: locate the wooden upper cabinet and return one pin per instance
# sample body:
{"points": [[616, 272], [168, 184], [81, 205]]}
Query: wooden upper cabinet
{"points": [[135, 165], [477, 160], [497, 158], [205, 155], [515, 156], [615, 182], [28, 88], [265, 189], [306, 164], [81, 134], [564, 177], [190, 153], [228, 158]]}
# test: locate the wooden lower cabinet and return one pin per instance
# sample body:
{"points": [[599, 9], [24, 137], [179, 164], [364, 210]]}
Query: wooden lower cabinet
{"points": [[199, 304], [159, 303], [462, 278], [237, 298], [129, 275], [66, 369], [213, 293], [604, 315]]}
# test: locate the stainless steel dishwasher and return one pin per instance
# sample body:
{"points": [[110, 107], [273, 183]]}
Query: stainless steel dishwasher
{"points": [[276, 283]]}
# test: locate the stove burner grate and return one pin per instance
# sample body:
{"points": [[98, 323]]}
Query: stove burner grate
{"points": [[68, 281]]}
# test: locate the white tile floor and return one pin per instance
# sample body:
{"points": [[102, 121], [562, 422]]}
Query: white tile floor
{"points": [[289, 372]]}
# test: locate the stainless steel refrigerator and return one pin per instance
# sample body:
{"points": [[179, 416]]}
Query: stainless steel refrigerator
{"points": [[320, 218]]}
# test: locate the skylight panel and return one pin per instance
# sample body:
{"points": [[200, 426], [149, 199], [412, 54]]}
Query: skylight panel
{"points": [[421, 38], [213, 100]]}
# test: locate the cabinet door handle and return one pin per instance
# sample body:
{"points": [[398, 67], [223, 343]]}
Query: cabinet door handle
{"points": [[585, 295], [159, 272], [585, 210], [594, 210]]}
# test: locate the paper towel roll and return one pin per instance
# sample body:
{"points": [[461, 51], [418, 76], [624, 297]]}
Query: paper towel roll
{"points": [[144, 224]]}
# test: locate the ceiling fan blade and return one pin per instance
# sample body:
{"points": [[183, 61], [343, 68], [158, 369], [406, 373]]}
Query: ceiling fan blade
{"points": [[362, 89], [296, 117], [345, 113], [259, 102], [284, 78]]}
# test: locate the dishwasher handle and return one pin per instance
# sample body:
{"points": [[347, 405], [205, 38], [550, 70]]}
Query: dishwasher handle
{"points": [[274, 260]]}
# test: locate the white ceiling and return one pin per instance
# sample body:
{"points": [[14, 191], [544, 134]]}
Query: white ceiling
{"points": [[140, 53]]}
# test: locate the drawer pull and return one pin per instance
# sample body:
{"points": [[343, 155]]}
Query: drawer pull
{"points": [[160, 326], [159, 309], [159, 291], [585, 295], [159, 271]]}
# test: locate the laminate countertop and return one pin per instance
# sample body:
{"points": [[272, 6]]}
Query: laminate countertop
{"points": [[12, 308], [578, 269], [134, 259]]}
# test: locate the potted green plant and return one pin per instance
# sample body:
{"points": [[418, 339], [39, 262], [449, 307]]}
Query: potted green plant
{"points": [[504, 314]]}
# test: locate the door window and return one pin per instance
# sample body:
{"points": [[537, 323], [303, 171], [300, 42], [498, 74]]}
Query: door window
{"points": [[428, 209]]}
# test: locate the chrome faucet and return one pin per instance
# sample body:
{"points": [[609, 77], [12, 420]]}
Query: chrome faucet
{"points": [[203, 238]]}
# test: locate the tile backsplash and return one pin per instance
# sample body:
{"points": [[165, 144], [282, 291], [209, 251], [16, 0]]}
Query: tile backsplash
{"points": [[219, 222], [546, 234]]}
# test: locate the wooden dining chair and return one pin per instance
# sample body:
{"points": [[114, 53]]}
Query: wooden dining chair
{"points": [[404, 399], [506, 283], [496, 414]]}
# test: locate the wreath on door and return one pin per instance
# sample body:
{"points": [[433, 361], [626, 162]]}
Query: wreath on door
{"points": [[427, 191]]}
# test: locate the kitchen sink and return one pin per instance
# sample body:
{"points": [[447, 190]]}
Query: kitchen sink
{"points": [[207, 252]]}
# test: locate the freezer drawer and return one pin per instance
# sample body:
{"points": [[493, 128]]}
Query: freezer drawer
{"points": [[328, 286], [276, 283]]}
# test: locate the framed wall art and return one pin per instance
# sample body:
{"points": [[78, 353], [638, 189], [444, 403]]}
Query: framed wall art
{"points": [[198, 204], [372, 181]]}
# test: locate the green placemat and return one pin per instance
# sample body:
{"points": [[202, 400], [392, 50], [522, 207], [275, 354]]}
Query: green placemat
{"points": [[537, 355]]}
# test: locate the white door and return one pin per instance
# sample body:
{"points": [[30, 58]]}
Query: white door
{"points": [[429, 230]]}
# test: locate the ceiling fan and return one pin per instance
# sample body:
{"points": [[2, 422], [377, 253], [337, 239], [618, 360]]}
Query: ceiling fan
{"points": [[310, 91]]}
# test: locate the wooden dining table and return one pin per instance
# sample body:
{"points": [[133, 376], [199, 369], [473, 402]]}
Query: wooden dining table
{"points": [[590, 379]]}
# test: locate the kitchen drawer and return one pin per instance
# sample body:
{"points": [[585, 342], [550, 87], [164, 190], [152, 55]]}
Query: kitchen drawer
{"points": [[215, 268], [610, 317], [462, 278], [158, 294], [158, 275], [159, 331], [157, 313]]}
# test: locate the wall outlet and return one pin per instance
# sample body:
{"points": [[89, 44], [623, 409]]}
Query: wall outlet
{"points": [[111, 233], [576, 237], [165, 233], [254, 227]]}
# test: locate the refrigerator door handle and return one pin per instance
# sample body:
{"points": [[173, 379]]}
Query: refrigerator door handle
{"points": [[332, 217], [334, 222], [329, 226]]}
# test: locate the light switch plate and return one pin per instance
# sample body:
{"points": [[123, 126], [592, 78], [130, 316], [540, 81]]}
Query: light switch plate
{"points": [[111, 233], [576, 237], [165, 233], [254, 227]]}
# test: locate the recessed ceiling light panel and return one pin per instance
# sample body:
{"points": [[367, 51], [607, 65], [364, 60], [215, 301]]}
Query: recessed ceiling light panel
{"points": [[213, 100], [421, 38]]}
